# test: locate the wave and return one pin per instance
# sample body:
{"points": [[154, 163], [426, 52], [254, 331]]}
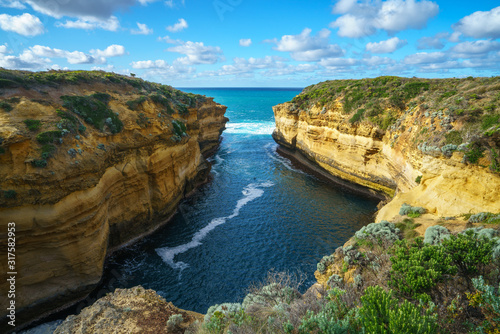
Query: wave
{"points": [[271, 153], [258, 128], [250, 192]]}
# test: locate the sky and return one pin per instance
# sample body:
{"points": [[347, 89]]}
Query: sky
{"points": [[243, 43]]}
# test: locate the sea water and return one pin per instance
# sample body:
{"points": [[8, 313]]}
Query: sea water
{"points": [[259, 212]]}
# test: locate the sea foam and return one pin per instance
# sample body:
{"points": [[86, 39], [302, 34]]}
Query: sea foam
{"points": [[255, 128], [250, 192]]}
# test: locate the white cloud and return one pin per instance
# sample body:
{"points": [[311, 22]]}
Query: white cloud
{"points": [[98, 9], [425, 58], [387, 46], [161, 68], [4, 49], [304, 47], [12, 4], [25, 24], [363, 19], [480, 24], [151, 64], [243, 67], [476, 47], [197, 53], [143, 29], [72, 57], [338, 62], [111, 51], [89, 23], [172, 3], [180, 25], [378, 61], [245, 42]]}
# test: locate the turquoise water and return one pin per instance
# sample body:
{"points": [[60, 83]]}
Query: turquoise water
{"points": [[258, 213]]}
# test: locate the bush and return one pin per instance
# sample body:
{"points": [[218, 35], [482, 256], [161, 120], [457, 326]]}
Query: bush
{"points": [[418, 267], [134, 104], [357, 116], [488, 301], [435, 234], [474, 153], [9, 194], [179, 128], [6, 106], [418, 179], [94, 111], [33, 124], [470, 252], [41, 163], [48, 136], [411, 211], [380, 313], [378, 232], [334, 317], [271, 295], [453, 137], [174, 322]]}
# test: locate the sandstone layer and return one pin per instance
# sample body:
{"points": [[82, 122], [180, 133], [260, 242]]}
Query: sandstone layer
{"points": [[98, 189], [400, 161]]}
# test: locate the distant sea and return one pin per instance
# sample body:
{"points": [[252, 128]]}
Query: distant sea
{"points": [[258, 213]]}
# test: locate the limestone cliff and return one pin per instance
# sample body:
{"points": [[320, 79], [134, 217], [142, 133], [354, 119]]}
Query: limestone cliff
{"points": [[90, 161], [429, 143]]}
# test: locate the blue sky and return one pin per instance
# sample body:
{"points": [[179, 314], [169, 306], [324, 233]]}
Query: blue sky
{"points": [[243, 43]]}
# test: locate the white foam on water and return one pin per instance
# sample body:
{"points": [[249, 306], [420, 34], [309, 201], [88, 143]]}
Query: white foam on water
{"points": [[260, 128], [250, 192], [283, 161]]}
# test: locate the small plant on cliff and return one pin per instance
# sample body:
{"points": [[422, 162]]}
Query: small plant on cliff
{"points": [[418, 179], [174, 322], [474, 152], [435, 234], [6, 106], [9, 194], [411, 211], [39, 163], [32, 124], [487, 300], [134, 104], [382, 313], [179, 128], [48, 136], [378, 232]]}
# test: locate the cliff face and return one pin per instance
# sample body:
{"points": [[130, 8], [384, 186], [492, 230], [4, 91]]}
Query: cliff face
{"points": [[420, 151], [93, 186]]}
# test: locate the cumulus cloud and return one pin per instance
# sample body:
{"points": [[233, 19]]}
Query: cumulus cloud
{"points": [[476, 47], [160, 67], [245, 42], [180, 25], [25, 24], [197, 53], [111, 51], [150, 64], [99, 9], [304, 47], [89, 23], [72, 57], [363, 19], [143, 29], [425, 58], [480, 24], [338, 62], [387, 46]]}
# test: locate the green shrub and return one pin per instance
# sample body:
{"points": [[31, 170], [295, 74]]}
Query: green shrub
{"points": [[103, 97], [2, 150], [179, 128], [474, 152], [487, 299], [33, 124], [334, 317], [418, 179], [380, 313], [134, 104], [489, 120], [435, 234], [378, 232], [40, 163], [6, 106], [9, 194], [93, 111], [271, 295], [411, 211], [357, 116], [418, 267], [324, 263], [469, 252], [48, 136]]}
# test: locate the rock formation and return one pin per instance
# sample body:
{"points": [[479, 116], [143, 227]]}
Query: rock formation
{"points": [[89, 162], [428, 143]]}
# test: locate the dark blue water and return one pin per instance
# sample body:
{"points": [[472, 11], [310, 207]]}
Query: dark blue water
{"points": [[256, 214]]}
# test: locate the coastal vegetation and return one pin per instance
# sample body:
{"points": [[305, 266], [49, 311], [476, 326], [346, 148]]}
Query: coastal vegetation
{"points": [[385, 281]]}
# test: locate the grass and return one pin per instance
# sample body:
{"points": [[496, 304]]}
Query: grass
{"points": [[33, 124]]}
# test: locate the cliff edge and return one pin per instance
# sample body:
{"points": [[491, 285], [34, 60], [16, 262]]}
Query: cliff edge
{"points": [[431, 143], [89, 161]]}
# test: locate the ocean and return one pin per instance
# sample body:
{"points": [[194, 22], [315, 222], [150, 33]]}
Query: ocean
{"points": [[258, 213]]}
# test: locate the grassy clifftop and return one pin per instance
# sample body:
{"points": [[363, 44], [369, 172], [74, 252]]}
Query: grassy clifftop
{"points": [[446, 114]]}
